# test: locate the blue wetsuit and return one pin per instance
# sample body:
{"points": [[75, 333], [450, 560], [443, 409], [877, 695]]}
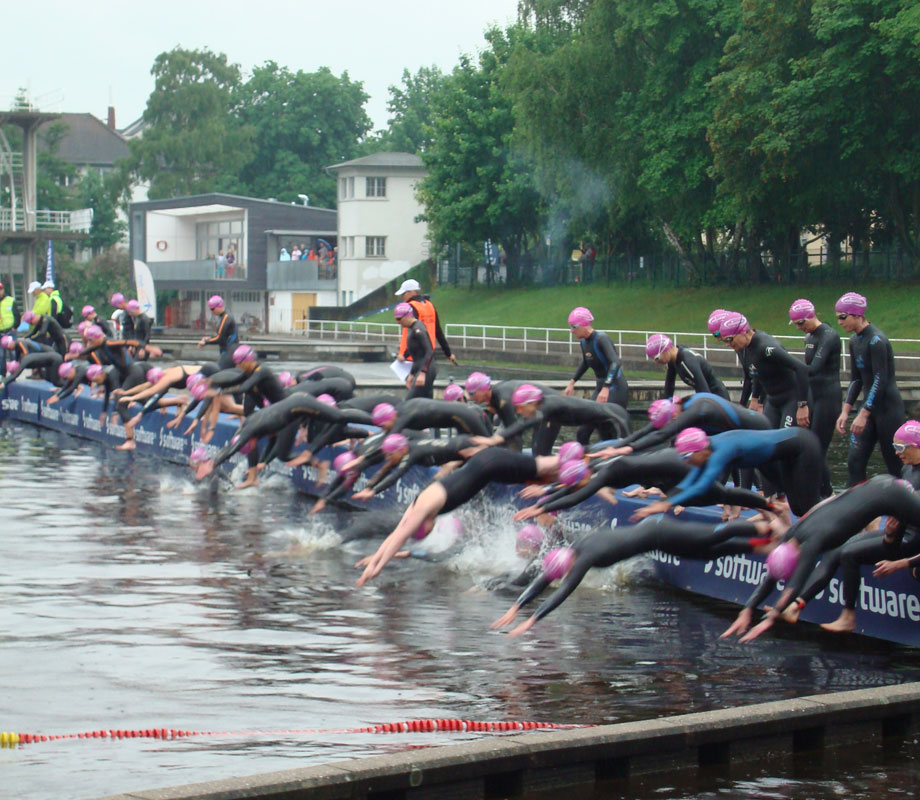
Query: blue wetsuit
{"points": [[790, 458]]}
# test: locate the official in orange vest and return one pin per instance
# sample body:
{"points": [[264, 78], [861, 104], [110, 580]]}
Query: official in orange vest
{"points": [[410, 292]]}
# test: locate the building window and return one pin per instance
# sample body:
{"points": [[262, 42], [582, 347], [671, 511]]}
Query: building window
{"points": [[342, 186], [351, 188], [376, 187], [375, 246]]}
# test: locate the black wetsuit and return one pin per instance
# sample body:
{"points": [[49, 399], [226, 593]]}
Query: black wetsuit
{"points": [[604, 547], [556, 410], [79, 377], [373, 525], [599, 354], [143, 327], [339, 388], [49, 331], [663, 470], [135, 375], [226, 338], [418, 346], [696, 372], [783, 377], [420, 413], [180, 382], [112, 352], [23, 347], [103, 323], [425, 453], [45, 362], [501, 407], [831, 524], [327, 371], [822, 356], [789, 457], [494, 464], [872, 371]]}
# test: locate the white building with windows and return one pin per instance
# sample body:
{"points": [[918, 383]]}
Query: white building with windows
{"points": [[378, 235]]}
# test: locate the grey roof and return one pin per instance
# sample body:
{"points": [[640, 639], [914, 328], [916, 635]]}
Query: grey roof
{"points": [[134, 129], [89, 141], [384, 160]]}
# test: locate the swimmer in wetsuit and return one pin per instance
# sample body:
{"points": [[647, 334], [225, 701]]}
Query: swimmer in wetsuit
{"points": [[694, 370], [227, 336], [781, 378], [826, 527], [822, 357], [492, 465], [91, 317], [45, 362], [420, 381], [496, 399], [420, 413], [789, 457], [549, 412], [872, 370], [47, 330], [605, 546]]}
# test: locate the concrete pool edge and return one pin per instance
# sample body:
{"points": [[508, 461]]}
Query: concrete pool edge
{"points": [[558, 760]]}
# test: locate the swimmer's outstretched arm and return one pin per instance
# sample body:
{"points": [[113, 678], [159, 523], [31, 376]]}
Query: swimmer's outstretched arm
{"points": [[537, 585]]}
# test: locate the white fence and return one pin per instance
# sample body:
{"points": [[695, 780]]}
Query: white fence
{"points": [[542, 341]]}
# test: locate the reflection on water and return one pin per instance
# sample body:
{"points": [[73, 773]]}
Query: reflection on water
{"points": [[132, 598]]}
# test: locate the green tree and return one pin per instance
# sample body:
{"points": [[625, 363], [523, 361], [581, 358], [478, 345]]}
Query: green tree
{"points": [[101, 194], [191, 143], [93, 281], [478, 185], [301, 122], [409, 127]]}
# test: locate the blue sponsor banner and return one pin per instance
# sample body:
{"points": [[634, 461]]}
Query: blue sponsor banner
{"points": [[888, 609]]}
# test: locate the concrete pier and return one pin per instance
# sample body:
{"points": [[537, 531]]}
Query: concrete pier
{"points": [[546, 762]]}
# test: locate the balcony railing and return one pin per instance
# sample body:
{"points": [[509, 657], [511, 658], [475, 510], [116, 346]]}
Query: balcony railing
{"points": [[79, 221], [296, 276], [197, 270]]}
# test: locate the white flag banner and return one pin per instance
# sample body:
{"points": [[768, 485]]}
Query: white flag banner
{"points": [[146, 293]]}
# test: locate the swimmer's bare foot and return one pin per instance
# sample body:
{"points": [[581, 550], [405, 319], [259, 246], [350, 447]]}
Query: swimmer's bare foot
{"points": [[131, 423], [322, 471], [730, 513], [206, 436], [606, 493], [127, 444], [252, 478], [845, 623], [173, 422]]}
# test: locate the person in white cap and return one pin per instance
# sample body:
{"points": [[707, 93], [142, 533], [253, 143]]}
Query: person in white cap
{"points": [[410, 292], [41, 302]]}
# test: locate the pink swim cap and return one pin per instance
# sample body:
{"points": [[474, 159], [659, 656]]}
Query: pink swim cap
{"points": [[906, 484], [154, 374], [199, 390], [383, 413], [715, 320], [453, 392], [691, 440], [191, 380], [477, 382], [661, 411], [81, 328], [286, 379], [570, 451], [571, 472], [733, 324], [66, 369], [12, 366], [657, 344], [801, 309], [198, 456], [132, 305], [403, 310], [394, 443], [94, 332], [246, 449], [117, 299], [852, 303], [75, 348], [216, 301], [782, 560], [29, 317], [580, 316], [7, 342], [327, 399], [87, 310], [909, 433], [243, 353], [558, 562], [339, 462], [93, 371], [529, 540], [526, 393]]}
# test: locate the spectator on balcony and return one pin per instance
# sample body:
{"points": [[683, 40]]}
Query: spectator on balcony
{"points": [[231, 261], [296, 253], [221, 264], [285, 255]]}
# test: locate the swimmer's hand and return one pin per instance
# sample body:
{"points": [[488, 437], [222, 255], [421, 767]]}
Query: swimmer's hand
{"points": [[364, 494], [740, 625], [885, 568], [52, 400], [606, 493], [487, 441], [532, 491], [677, 510], [660, 507], [191, 427], [205, 468], [318, 506], [610, 452], [527, 513], [761, 627], [507, 618], [523, 627], [303, 458]]}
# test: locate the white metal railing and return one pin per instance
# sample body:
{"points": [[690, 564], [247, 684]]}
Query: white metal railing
{"points": [[60, 221], [541, 341]]}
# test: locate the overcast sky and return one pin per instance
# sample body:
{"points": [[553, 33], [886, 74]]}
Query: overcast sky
{"points": [[77, 55]]}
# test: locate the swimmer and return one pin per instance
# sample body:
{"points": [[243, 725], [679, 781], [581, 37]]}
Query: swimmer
{"points": [[47, 330], [496, 400], [420, 413], [694, 370], [91, 317], [604, 547], [226, 336], [598, 354], [439, 497]]}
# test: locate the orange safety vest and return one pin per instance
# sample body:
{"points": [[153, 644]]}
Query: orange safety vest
{"points": [[425, 311]]}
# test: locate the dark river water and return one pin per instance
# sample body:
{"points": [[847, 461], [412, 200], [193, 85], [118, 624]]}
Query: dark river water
{"points": [[132, 598]]}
